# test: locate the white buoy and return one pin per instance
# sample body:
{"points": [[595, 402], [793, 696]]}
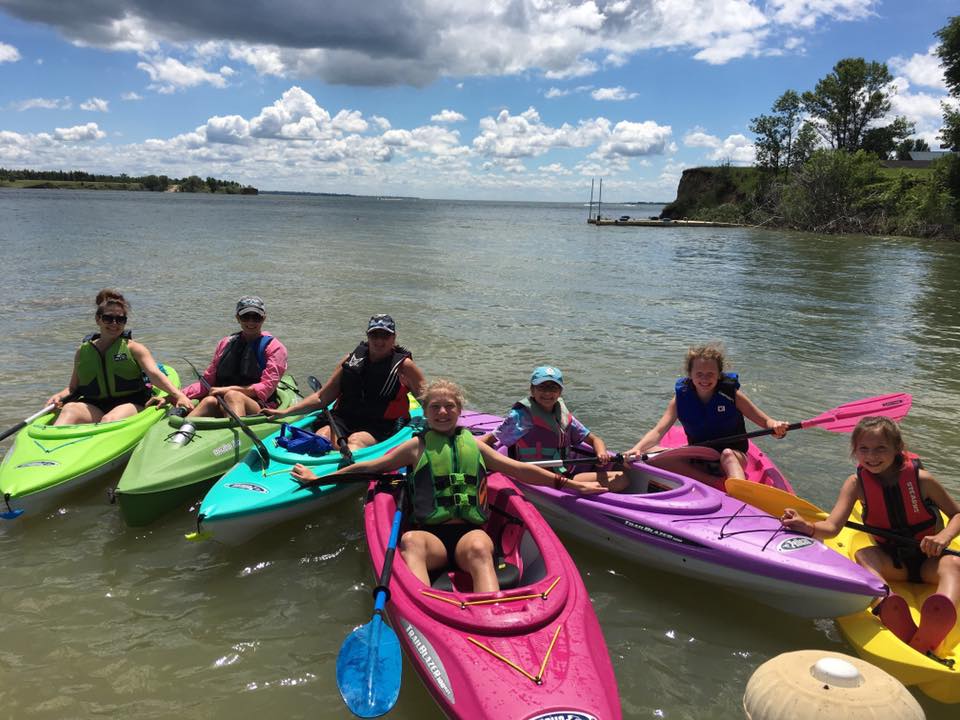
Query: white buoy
{"points": [[814, 684]]}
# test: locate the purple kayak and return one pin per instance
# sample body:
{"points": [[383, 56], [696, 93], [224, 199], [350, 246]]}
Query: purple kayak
{"points": [[672, 522]]}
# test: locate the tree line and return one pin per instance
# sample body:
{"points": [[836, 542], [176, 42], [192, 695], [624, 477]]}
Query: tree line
{"points": [[155, 183], [819, 154]]}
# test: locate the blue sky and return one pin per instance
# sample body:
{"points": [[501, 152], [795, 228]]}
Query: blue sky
{"points": [[510, 99]]}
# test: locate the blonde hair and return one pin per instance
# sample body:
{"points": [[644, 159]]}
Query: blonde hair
{"points": [[107, 297], [883, 426], [710, 351], [441, 385]]}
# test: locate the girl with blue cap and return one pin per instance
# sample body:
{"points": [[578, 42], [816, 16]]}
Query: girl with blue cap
{"points": [[541, 427]]}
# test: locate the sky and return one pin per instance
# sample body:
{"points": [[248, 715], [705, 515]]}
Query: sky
{"points": [[467, 99]]}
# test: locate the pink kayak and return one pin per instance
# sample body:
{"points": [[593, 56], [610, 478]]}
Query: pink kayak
{"points": [[760, 467], [533, 650]]}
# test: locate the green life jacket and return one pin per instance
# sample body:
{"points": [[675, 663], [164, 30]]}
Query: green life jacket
{"points": [[450, 480], [111, 375]]}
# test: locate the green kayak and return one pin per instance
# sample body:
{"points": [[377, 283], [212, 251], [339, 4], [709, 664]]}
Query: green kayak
{"points": [[173, 464], [46, 460]]}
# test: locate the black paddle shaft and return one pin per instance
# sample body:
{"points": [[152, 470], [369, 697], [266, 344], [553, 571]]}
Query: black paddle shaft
{"points": [[342, 445], [745, 436], [895, 537], [257, 442]]}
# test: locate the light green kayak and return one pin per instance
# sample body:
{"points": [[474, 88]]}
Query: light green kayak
{"points": [[173, 464], [46, 460]]}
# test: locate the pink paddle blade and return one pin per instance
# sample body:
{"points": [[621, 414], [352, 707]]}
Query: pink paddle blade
{"points": [[845, 417]]}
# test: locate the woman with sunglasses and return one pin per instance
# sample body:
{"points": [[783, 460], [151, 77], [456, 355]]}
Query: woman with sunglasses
{"points": [[109, 369], [246, 367], [370, 386]]}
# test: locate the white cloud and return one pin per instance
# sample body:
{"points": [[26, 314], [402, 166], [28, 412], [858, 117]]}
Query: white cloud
{"points": [[612, 93], [79, 133], [95, 104], [633, 139], [806, 13], [8, 53], [418, 42], [131, 96], [737, 149], [169, 74], [555, 92], [447, 116], [42, 104], [920, 69]]}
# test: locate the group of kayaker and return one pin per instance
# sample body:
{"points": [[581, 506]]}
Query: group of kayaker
{"points": [[369, 387]]}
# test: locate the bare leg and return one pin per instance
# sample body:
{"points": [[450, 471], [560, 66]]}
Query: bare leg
{"points": [[422, 552], [613, 480], [75, 413], [207, 407], [474, 554], [732, 462], [944, 572], [120, 412]]}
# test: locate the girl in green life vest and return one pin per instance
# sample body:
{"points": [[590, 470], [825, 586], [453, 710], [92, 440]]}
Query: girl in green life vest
{"points": [[108, 371], [448, 490]]}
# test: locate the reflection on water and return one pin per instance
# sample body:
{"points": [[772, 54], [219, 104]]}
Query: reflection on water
{"points": [[101, 619]]}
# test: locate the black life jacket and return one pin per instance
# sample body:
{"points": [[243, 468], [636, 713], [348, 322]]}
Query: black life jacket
{"points": [[373, 391], [242, 362]]}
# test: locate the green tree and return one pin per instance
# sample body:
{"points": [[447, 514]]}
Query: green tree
{"points": [[911, 145], [804, 145], [949, 53], [883, 141], [777, 133], [770, 141], [845, 102]]}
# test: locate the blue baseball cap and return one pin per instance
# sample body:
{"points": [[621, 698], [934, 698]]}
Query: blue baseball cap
{"points": [[382, 322], [546, 373]]}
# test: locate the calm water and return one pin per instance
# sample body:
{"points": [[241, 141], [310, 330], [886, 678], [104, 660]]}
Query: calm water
{"points": [[101, 620]]}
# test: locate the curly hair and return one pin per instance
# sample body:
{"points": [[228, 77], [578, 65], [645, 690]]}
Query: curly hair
{"points": [[709, 351]]}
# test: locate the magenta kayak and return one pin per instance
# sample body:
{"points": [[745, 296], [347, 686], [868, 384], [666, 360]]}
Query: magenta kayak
{"points": [[760, 467], [532, 651]]}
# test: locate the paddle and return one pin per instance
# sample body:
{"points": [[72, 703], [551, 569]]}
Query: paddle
{"points": [[840, 419], [369, 664], [774, 501], [338, 437], [257, 442], [350, 477], [40, 413], [687, 451]]}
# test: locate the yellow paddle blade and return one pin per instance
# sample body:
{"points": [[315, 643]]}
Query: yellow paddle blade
{"points": [[198, 536], [771, 500]]}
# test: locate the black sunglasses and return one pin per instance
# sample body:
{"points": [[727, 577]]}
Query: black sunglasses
{"points": [[382, 334], [118, 319], [251, 317]]}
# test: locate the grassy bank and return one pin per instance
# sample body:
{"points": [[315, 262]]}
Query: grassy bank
{"points": [[834, 192]]}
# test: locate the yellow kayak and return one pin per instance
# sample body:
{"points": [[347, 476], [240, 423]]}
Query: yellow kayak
{"points": [[939, 678]]}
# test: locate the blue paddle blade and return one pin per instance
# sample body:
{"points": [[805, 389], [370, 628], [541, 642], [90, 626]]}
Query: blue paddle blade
{"points": [[368, 669], [11, 515]]}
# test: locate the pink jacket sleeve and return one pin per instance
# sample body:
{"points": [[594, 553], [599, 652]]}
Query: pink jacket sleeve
{"points": [[276, 356]]}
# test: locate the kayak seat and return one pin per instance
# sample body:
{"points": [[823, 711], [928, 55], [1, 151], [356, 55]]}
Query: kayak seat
{"points": [[508, 576]]}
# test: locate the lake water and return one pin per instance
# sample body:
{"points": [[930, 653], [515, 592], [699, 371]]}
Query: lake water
{"points": [[99, 620]]}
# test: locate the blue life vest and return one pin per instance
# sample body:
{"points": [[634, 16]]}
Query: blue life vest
{"points": [[717, 418]]}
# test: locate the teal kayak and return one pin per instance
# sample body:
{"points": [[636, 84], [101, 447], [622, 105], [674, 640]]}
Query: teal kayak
{"points": [[46, 460], [250, 498], [175, 464]]}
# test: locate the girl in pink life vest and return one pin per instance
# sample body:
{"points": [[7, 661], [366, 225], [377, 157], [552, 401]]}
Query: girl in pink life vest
{"points": [[709, 404], [898, 495], [540, 427]]}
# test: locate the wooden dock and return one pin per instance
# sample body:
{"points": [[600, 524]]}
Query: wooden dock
{"points": [[637, 222]]}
